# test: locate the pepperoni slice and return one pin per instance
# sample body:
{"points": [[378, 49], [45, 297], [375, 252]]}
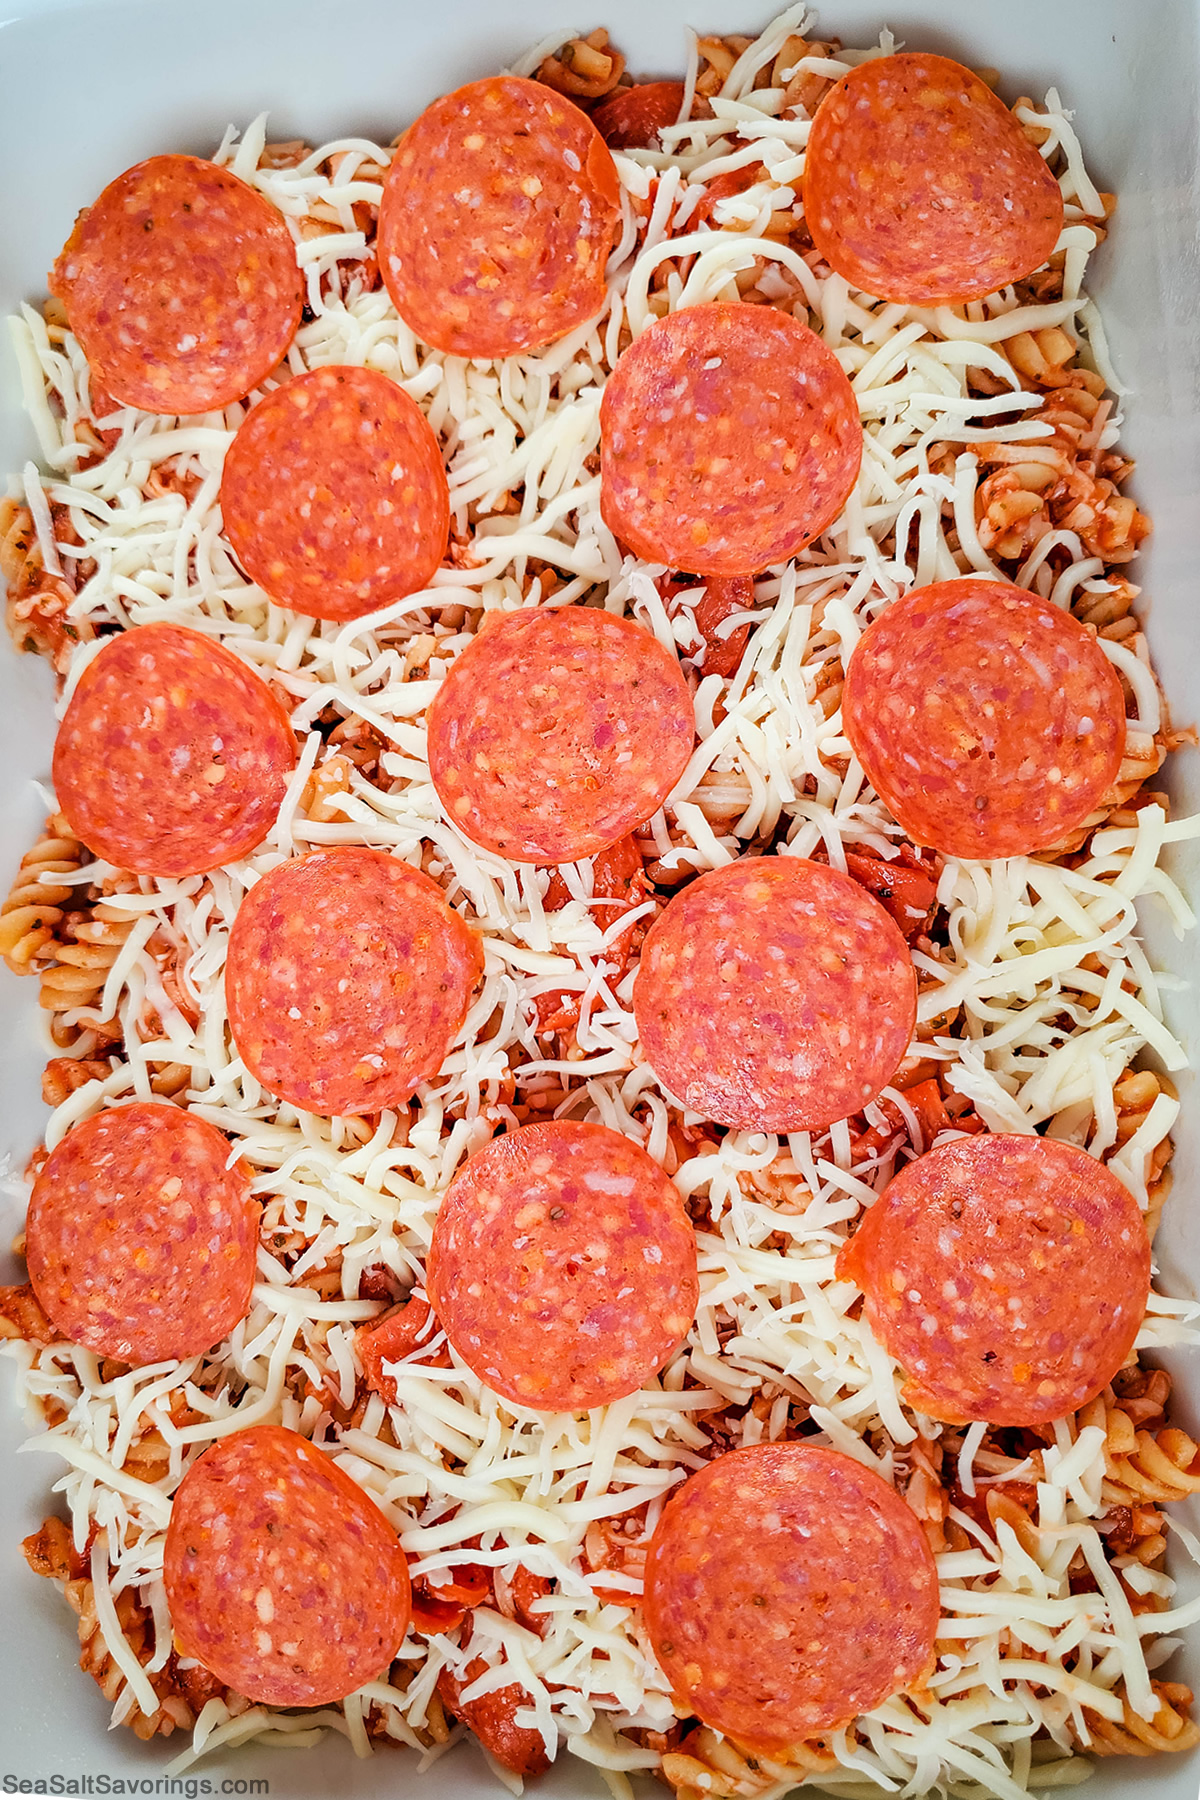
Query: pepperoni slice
{"points": [[334, 494], [347, 979], [788, 1590], [774, 994], [283, 1577], [921, 187], [1008, 1277], [563, 1266], [498, 214], [632, 118], [141, 1240], [173, 756], [181, 283], [989, 721], [558, 731], [730, 439]]}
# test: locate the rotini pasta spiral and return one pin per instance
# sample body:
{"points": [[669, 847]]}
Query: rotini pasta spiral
{"points": [[324, 787], [1147, 1463], [64, 1075], [37, 602], [173, 1713], [802, 89], [182, 1692], [74, 953], [33, 910], [1149, 1468], [1133, 1097], [21, 1316], [1013, 1505], [51, 1552], [586, 68], [1065, 482], [83, 957], [17, 538], [1169, 1729], [60, 931], [709, 1767]]}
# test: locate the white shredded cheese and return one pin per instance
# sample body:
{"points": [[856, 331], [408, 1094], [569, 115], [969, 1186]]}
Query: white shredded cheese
{"points": [[1038, 1040]]}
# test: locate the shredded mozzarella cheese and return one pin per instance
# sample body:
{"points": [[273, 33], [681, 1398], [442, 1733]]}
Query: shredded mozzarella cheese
{"points": [[1043, 979]]}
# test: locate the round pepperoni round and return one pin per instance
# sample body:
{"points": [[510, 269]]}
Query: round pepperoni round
{"points": [[1007, 1276], [632, 118], [557, 732], [788, 1589], [347, 978], [334, 494], [499, 211], [775, 994], [181, 283], [563, 1266], [173, 756], [921, 187], [988, 720], [283, 1577], [730, 439], [141, 1240]]}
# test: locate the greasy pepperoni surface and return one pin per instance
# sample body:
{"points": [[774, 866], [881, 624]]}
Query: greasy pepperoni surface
{"points": [[774, 994], [557, 732], [346, 980], [921, 187], [173, 756], [283, 1577], [632, 118], [334, 494], [730, 438], [563, 1266], [1007, 1276], [989, 721], [141, 1242], [498, 214], [788, 1590], [181, 284]]}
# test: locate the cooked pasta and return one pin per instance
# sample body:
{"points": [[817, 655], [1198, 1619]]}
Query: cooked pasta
{"points": [[33, 910], [991, 436], [586, 68], [1144, 1468], [1171, 1729]]}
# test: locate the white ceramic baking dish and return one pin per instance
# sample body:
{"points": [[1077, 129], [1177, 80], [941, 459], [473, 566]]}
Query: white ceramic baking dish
{"points": [[89, 88]]}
